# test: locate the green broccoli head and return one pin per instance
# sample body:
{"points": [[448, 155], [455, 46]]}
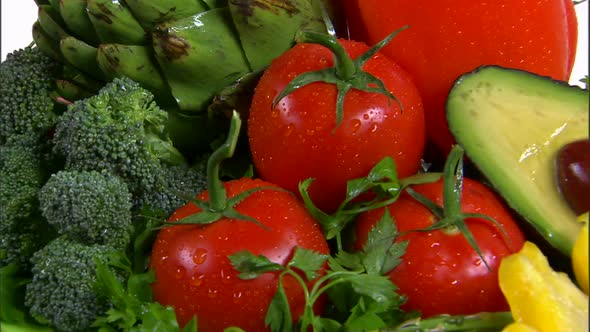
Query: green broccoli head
{"points": [[174, 187], [22, 228], [62, 291], [121, 130], [26, 84], [91, 207]]}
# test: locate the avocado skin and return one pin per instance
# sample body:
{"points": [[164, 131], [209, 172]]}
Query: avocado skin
{"points": [[511, 124]]}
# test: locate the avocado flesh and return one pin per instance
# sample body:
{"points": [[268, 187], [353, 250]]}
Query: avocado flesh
{"points": [[511, 124]]}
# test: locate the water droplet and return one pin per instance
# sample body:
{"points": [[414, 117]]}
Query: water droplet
{"points": [[434, 245], [455, 282], [477, 262], [237, 297], [199, 256], [356, 125], [197, 280], [180, 272], [289, 129], [373, 128], [212, 293], [366, 116]]}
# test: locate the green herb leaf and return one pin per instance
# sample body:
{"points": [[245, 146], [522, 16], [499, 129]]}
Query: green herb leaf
{"points": [[308, 261], [380, 255], [278, 316], [251, 266]]}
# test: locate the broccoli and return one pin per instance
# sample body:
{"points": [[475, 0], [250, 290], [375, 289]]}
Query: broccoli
{"points": [[22, 228], [121, 131], [91, 207], [62, 292], [26, 86]]}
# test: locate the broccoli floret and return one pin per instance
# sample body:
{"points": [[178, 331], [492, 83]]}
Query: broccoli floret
{"points": [[91, 207], [22, 228], [175, 185], [121, 130], [62, 291], [26, 84]]}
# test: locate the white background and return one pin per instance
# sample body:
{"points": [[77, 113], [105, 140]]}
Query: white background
{"points": [[18, 17]]}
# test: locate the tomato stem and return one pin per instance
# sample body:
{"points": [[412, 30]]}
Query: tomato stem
{"points": [[217, 194], [345, 67]]}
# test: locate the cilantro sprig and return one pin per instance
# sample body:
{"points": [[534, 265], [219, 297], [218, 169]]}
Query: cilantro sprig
{"points": [[356, 282]]}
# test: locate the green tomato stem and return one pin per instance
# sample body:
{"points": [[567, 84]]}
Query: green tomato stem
{"points": [[217, 194], [345, 67]]}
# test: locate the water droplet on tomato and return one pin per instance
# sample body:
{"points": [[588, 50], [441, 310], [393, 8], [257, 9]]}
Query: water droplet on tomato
{"points": [[455, 282], [356, 125], [373, 128], [289, 129], [197, 280], [199, 256], [212, 293], [180, 272], [237, 297], [477, 262]]}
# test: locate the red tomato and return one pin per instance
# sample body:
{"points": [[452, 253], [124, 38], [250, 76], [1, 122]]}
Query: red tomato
{"points": [[296, 140], [447, 38], [440, 271], [195, 275]]}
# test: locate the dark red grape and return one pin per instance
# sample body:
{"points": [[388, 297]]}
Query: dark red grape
{"points": [[573, 174]]}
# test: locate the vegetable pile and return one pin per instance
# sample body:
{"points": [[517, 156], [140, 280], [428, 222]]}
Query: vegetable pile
{"points": [[302, 165]]}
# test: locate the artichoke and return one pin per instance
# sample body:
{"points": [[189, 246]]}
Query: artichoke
{"points": [[183, 51]]}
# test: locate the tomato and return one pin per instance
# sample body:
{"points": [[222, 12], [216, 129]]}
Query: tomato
{"points": [[440, 271], [195, 276], [448, 38], [299, 139]]}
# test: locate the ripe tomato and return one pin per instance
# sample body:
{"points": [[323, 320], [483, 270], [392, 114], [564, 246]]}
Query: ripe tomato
{"points": [[440, 271], [299, 139], [448, 38], [196, 277]]}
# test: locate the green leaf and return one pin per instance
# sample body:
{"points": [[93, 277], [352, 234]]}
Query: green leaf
{"points": [[250, 266], [378, 288], [380, 253], [308, 261], [278, 316], [12, 289], [343, 259]]}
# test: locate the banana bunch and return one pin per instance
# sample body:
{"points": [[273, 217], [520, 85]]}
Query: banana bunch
{"points": [[184, 51]]}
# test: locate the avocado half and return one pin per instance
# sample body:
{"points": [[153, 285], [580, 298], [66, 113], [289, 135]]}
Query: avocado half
{"points": [[511, 124]]}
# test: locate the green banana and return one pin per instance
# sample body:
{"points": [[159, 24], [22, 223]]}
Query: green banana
{"points": [[50, 21], [199, 59], [135, 62], [148, 13], [82, 56], [114, 23], [45, 43], [74, 14], [267, 27], [69, 91]]}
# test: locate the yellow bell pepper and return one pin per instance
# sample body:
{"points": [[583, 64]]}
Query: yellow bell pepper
{"points": [[519, 327], [580, 256], [539, 297]]}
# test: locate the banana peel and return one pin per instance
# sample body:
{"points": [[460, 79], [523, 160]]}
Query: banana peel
{"points": [[149, 13], [114, 23], [539, 297], [75, 17]]}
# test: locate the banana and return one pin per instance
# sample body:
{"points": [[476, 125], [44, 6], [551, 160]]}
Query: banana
{"points": [[267, 27], [50, 21], [135, 62], [74, 15], [114, 23], [70, 91], [149, 13], [82, 56], [215, 3], [199, 55], [45, 43]]}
